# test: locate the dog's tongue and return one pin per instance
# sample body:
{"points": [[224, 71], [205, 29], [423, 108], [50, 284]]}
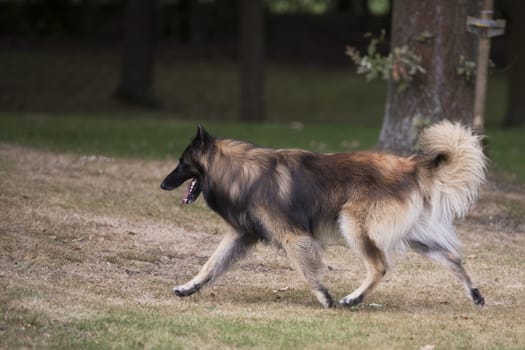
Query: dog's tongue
{"points": [[188, 197]]}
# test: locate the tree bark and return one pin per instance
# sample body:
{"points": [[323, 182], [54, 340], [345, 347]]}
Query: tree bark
{"points": [[89, 17], [440, 93], [135, 84], [252, 60], [515, 102], [195, 24]]}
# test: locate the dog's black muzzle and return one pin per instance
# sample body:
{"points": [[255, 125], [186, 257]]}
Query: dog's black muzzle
{"points": [[175, 179]]}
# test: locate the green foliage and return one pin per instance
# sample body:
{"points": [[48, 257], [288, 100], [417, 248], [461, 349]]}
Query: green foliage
{"points": [[420, 122], [379, 7], [467, 68], [298, 6], [424, 36], [400, 65]]}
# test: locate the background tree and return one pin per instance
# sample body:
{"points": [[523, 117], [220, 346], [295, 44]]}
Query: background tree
{"points": [[436, 30], [195, 22], [251, 60], [136, 71], [515, 114]]}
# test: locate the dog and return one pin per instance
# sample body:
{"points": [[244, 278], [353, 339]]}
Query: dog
{"points": [[378, 202]]}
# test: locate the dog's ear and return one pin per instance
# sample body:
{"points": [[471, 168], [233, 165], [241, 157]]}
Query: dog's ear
{"points": [[203, 137]]}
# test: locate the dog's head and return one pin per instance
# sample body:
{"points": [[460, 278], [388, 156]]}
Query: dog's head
{"points": [[190, 167]]}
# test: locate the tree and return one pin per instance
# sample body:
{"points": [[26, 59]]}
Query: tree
{"points": [[135, 84], [436, 31], [195, 24], [252, 60], [515, 114]]}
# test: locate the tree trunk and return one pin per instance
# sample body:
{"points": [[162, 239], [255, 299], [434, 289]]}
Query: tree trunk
{"points": [[135, 85], [89, 17], [516, 103], [440, 93], [196, 23], [252, 60]]}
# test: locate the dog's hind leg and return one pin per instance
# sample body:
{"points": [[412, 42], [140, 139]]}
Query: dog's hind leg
{"points": [[452, 261], [232, 247], [372, 256], [305, 253]]}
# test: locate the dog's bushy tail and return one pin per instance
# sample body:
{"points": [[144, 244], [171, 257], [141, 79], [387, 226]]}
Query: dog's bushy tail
{"points": [[455, 167]]}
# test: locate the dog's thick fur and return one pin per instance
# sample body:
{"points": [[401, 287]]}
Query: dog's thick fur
{"points": [[379, 203]]}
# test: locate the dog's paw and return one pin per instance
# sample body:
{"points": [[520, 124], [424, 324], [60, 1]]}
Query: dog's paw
{"points": [[477, 297], [351, 300], [185, 290], [324, 298]]}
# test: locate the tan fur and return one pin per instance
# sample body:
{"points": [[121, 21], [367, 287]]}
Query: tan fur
{"points": [[284, 182], [454, 187], [244, 157]]}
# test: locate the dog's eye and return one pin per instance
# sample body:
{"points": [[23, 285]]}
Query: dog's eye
{"points": [[183, 164]]}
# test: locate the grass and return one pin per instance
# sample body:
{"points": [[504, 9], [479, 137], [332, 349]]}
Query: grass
{"points": [[507, 152], [69, 81], [206, 324], [89, 256], [154, 137], [145, 137], [97, 273], [61, 81], [210, 326], [197, 328]]}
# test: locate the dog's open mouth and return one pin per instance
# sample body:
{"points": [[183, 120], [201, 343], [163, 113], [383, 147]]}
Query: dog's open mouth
{"points": [[193, 191]]}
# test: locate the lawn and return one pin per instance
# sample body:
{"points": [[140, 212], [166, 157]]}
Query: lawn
{"points": [[82, 81], [91, 247], [156, 137]]}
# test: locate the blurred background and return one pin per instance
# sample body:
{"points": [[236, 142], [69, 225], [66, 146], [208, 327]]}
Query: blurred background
{"points": [[65, 56], [219, 62]]}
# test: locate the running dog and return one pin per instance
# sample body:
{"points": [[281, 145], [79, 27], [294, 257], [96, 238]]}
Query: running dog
{"points": [[379, 203]]}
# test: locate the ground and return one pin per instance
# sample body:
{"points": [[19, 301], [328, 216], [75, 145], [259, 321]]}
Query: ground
{"points": [[91, 248]]}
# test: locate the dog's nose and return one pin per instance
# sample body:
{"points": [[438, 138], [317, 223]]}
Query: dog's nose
{"points": [[165, 186]]}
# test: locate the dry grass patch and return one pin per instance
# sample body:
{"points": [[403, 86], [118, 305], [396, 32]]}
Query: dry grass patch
{"points": [[91, 249]]}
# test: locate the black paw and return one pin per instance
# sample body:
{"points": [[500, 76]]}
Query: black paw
{"points": [[477, 297], [324, 297], [329, 302]]}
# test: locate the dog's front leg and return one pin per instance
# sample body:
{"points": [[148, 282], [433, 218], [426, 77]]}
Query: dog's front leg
{"points": [[232, 247]]}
